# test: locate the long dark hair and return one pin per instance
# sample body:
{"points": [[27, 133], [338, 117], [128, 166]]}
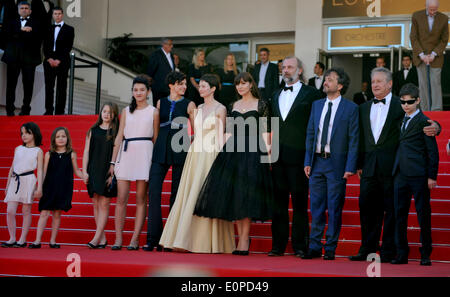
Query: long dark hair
{"points": [[33, 128], [247, 77], [114, 126], [140, 79]]}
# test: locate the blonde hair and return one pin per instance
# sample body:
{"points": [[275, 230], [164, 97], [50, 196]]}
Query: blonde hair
{"points": [[225, 66], [195, 58]]}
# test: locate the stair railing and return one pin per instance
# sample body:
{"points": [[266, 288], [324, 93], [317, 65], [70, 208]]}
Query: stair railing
{"points": [[88, 64]]}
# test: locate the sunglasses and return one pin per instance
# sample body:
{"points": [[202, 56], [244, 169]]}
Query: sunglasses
{"points": [[409, 102]]}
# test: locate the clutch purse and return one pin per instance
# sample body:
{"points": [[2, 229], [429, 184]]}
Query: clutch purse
{"points": [[111, 190]]}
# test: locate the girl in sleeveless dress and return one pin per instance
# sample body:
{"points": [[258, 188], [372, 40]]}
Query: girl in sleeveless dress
{"points": [[96, 163], [239, 184], [183, 230], [60, 164], [21, 185], [132, 158]]}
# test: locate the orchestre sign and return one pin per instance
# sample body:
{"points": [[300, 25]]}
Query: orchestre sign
{"points": [[374, 8], [365, 37]]}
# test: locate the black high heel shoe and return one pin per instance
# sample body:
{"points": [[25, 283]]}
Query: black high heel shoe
{"points": [[246, 253], [102, 246], [8, 245], [92, 246], [116, 247]]}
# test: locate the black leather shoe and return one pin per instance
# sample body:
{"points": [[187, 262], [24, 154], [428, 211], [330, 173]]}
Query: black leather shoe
{"points": [[235, 252], [133, 248], [312, 254], [150, 248], [299, 253], [24, 113], [23, 245], [8, 245], [274, 253], [359, 257], [387, 258], [329, 256], [425, 261], [400, 260], [116, 247], [54, 246], [34, 246]]}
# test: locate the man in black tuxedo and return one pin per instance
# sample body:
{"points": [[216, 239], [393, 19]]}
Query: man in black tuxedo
{"points": [[266, 75], [22, 54], [292, 105], [364, 95], [317, 81], [160, 65], [408, 74], [58, 43], [380, 121]]}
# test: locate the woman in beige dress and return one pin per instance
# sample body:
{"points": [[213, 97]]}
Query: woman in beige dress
{"points": [[184, 231]]}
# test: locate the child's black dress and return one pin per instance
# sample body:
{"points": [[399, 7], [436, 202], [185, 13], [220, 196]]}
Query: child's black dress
{"points": [[58, 183]]}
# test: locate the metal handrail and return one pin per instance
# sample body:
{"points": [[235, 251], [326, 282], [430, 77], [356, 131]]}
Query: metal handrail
{"points": [[90, 64]]}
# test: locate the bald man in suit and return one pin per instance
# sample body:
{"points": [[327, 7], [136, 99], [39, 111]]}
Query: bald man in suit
{"points": [[429, 38]]}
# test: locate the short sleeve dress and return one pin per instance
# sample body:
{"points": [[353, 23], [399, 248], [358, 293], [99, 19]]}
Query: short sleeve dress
{"points": [[25, 160], [134, 159]]}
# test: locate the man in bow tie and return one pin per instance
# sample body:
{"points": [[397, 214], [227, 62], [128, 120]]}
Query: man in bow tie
{"points": [[292, 105], [58, 43], [380, 121], [317, 81], [408, 74], [22, 54]]}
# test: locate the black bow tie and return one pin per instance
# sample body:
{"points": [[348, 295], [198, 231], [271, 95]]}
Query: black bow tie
{"points": [[288, 89], [376, 101], [57, 25], [24, 19]]}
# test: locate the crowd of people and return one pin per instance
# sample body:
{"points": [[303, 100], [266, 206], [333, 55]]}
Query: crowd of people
{"points": [[312, 136]]}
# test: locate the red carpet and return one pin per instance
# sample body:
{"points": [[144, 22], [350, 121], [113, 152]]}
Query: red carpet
{"points": [[78, 226]]}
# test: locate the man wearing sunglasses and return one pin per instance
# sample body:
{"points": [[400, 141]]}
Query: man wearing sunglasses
{"points": [[415, 172]]}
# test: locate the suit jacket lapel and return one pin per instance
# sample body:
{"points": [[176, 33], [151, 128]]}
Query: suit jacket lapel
{"points": [[338, 116], [164, 58], [366, 121], [297, 101], [388, 122], [276, 103], [411, 125], [318, 115]]}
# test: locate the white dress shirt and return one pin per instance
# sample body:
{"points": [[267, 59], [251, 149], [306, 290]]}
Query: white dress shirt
{"points": [[262, 75], [430, 21], [330, 127], [169, 58], [406, 71], [24, 22], [287, 98], [57, 30], [378, 115], [318, 80]]}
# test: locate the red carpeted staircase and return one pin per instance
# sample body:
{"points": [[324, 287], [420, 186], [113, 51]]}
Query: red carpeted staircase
{"points": [[78, 225]]}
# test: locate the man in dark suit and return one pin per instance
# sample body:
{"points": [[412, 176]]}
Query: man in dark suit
{"points": [[160, 65], [292, 105], [364, 95], [415, 172], [331, 157], [318, 80], [266, 75], [408, 74], [22, 54], [58, 43], [380, 120]]}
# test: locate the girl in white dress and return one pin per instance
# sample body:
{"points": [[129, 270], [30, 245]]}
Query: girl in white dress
{"points": [[132, 157], [21, 186]]}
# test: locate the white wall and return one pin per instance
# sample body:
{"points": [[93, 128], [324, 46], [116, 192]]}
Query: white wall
{"points": [[308, 33], [160, 18], [92, 26]]}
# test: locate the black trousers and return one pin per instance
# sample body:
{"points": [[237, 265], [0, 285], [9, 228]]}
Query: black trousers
{"points": [[158, 173], [58, 75], [376, 205], [404, 188], [290, 179], [12, 76]]}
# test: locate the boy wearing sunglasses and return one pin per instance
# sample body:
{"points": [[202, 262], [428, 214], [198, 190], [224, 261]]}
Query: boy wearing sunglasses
{"points": [[415, 172]]}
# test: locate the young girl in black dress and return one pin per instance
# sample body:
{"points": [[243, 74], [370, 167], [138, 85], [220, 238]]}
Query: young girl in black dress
{"points": [[60, 163], [97, 155]]}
